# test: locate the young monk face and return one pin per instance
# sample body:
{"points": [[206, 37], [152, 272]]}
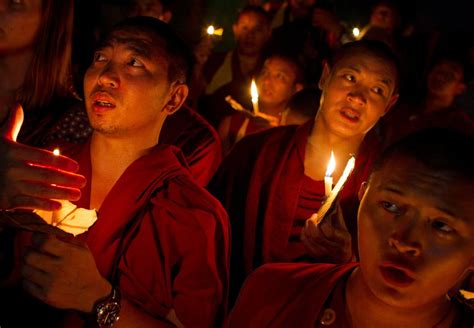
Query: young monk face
{"points": [[127, 87], [416, 233], [356, 92], [277, 82]]}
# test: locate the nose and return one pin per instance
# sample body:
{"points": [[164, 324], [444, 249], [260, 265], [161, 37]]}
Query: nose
{"points": [[405, 237], [357, 96], [108, 76]]}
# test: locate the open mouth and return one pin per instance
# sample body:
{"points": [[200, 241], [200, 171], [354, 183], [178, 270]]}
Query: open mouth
{"points": [[396, 276], [350, 114], [102, 103]]}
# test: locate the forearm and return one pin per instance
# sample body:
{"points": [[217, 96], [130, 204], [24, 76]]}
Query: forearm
{"points": [[133, 317]]}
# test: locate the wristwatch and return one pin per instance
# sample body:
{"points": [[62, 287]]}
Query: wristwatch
{"points": [[107, 309]]}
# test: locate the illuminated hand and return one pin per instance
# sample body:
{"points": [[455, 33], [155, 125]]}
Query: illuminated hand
{"points": [[329, 241], [33, 187], [62, 274]]}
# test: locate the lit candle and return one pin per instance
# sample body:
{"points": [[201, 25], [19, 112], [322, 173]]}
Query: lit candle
{"points": [[56, 151], [254, 94], [337, 188], [356, 32], [211, 30], [328, 177]]}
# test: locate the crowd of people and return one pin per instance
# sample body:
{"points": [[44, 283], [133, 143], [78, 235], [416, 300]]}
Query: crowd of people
{"points": [[206, 193]]}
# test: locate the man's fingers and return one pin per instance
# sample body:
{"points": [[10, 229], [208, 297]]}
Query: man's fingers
{"points": [[32, 203], [41, 157], [40, 260], [47, 176], [13, 124], [35, 276]]}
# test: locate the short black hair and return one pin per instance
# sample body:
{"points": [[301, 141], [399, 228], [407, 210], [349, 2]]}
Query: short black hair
{"points": [[372, 47], [256, 10], [176, 51], [439, 149]]}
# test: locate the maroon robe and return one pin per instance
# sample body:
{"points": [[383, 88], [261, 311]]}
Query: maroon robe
{"points": [[259, 183], [288, 295], [198, 141], [163, 239]]}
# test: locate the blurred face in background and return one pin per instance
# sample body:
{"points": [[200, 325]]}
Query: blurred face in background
{"points": [[446, 79], [277, 82], [384, 17], [251, 32], [151, 8], [19, 24]]}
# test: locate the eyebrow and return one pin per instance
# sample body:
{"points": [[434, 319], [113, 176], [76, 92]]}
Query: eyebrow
{"points": [[387, 82], [440, 208]]}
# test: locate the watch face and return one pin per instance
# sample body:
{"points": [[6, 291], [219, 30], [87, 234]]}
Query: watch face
{"points": [[108, 314]]}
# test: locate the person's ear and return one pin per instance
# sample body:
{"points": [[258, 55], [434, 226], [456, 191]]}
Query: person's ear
{"points": [[178, 94], [298, 87], [166, 16], [391, 103], [235, 30], [324, 76], [362, 190]]}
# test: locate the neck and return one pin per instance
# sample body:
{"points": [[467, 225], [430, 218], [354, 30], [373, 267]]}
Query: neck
{"points": [[320, 143], [436, 103], [248, 62], [366, 310], [13, 68], [110, 157]]}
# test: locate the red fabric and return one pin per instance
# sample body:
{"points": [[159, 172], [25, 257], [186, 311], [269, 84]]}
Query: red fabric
{"points": [[179, 249], [198, 141], [286, 295], [259, 184]]}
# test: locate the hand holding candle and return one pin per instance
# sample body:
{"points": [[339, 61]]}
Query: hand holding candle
{"points": [[332, 196], [254, 95]]}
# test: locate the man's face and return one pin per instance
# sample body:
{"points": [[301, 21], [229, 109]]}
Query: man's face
{"points": [[126, 87], [416, 233], [384, 17], [151, 8], [276, 82], [446, 79], [19, 24], [356, 92], [251, 33]]}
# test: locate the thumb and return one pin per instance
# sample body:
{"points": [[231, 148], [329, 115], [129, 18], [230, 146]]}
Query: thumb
{"points": [[12, 126]]}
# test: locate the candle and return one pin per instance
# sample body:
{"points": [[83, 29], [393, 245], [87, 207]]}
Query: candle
{"points": [[337, 188], [356, 32], [254, 95], [328, 177], [212, 31], [56, 151]]}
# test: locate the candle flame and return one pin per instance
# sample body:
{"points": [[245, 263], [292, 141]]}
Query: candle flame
{"points": [[56, 151], [331, 165], [356, 32], [210, 30], [254, 91]]}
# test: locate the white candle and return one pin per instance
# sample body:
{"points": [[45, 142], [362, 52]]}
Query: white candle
{"points": [[254, 95], [337, 188], [328, 177]]}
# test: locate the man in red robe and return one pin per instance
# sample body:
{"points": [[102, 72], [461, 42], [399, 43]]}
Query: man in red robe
{"points": [[158, 253], [416, 229], [272, 181]]}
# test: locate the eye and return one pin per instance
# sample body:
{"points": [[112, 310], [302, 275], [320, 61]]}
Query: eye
{"points": [[349, 77], [378, 91], [99, 57], [390, 207], [135, 62], [441, 226]]}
